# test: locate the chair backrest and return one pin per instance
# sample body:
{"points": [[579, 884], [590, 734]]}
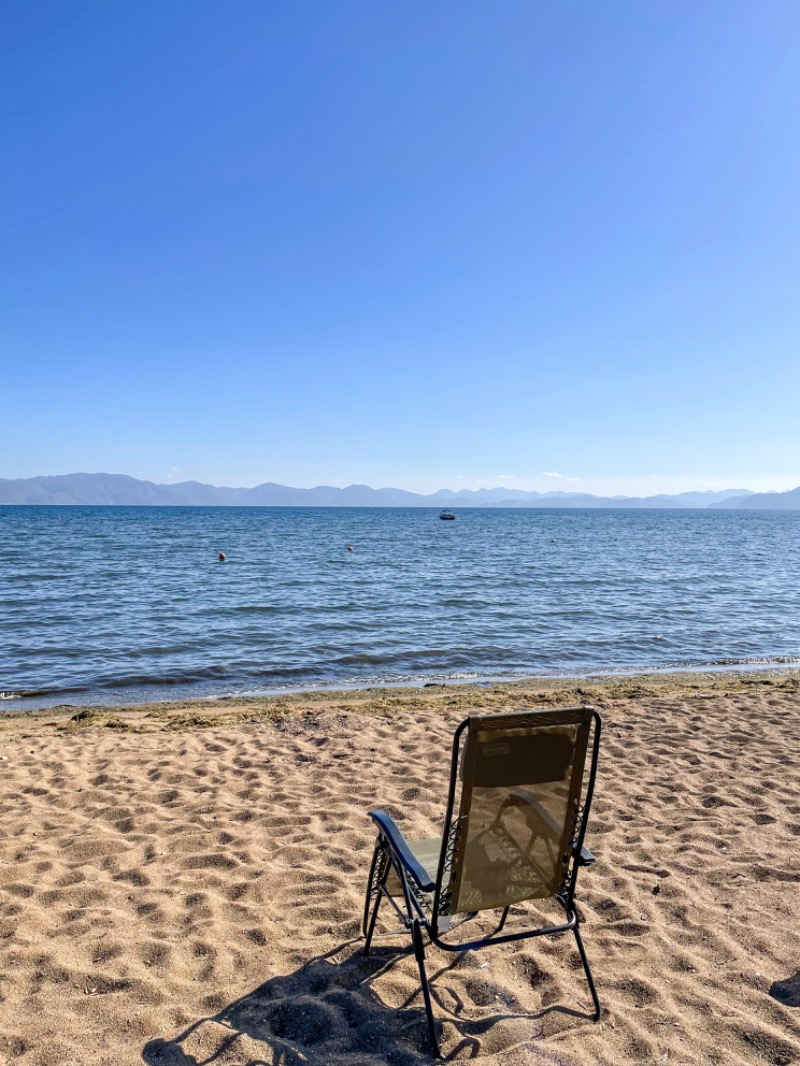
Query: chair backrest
{"points": [[520, 810]]}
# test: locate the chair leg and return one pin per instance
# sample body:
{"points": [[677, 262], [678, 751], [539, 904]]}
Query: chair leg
{"points": [[377, 876], [419, 952], [372, 920], [370, 886], [588, 972]]}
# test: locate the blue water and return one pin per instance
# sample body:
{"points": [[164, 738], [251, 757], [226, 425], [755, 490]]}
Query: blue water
{"points": [[118, 605]]}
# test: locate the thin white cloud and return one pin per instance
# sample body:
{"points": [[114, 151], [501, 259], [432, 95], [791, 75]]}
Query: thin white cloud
{"points": [[561, 477]]}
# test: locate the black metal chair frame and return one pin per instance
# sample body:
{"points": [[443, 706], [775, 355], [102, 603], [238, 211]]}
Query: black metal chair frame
{"points": [[392, 853]]}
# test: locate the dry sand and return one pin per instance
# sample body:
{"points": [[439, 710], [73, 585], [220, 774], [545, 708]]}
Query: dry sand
{"points": [[183, 885]]}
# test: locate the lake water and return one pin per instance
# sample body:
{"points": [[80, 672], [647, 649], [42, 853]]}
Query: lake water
{"points": [[120, 605]]}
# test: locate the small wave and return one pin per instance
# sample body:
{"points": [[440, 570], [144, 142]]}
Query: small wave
{"points": [[777, 660], [208, 673], [36, 693], [724, 663], [448, 658], [266, 608]]}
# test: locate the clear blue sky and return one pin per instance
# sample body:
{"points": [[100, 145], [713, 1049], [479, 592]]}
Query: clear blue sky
{"points": [[549, 245]]}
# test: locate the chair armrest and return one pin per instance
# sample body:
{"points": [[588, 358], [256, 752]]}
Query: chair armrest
{"points": [[521, 796], [400, 849]]}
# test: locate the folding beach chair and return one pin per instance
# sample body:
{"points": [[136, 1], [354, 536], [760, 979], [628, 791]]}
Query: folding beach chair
{"points": [[516, 834]]}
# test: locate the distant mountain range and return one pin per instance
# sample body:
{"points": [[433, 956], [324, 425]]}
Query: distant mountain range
{"points": [[767, 501], [123, 491]]}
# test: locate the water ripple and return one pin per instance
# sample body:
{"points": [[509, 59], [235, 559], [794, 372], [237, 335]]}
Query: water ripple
{"points": [[126, 604]]}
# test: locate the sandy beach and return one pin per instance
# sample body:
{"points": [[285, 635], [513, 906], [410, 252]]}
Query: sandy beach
{"points": [[183, 884]]}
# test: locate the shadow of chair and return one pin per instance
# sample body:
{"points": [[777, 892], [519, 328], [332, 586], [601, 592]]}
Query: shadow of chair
{"points": [[325, 1012]]}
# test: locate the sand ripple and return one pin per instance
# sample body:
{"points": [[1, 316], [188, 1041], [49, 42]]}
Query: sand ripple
{"points": [[193, 895]]}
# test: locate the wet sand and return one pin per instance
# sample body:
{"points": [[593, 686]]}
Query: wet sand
{"points": [[183, 884]]}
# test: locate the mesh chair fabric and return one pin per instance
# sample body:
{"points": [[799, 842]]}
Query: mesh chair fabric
{"points": [[520, 801]]}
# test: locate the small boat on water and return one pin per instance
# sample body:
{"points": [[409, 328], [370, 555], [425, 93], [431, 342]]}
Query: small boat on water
{"points": [[447, 516]]}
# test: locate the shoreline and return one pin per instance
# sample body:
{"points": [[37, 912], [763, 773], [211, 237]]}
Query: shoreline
{"points": [[399, 699], [11, 703]]}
